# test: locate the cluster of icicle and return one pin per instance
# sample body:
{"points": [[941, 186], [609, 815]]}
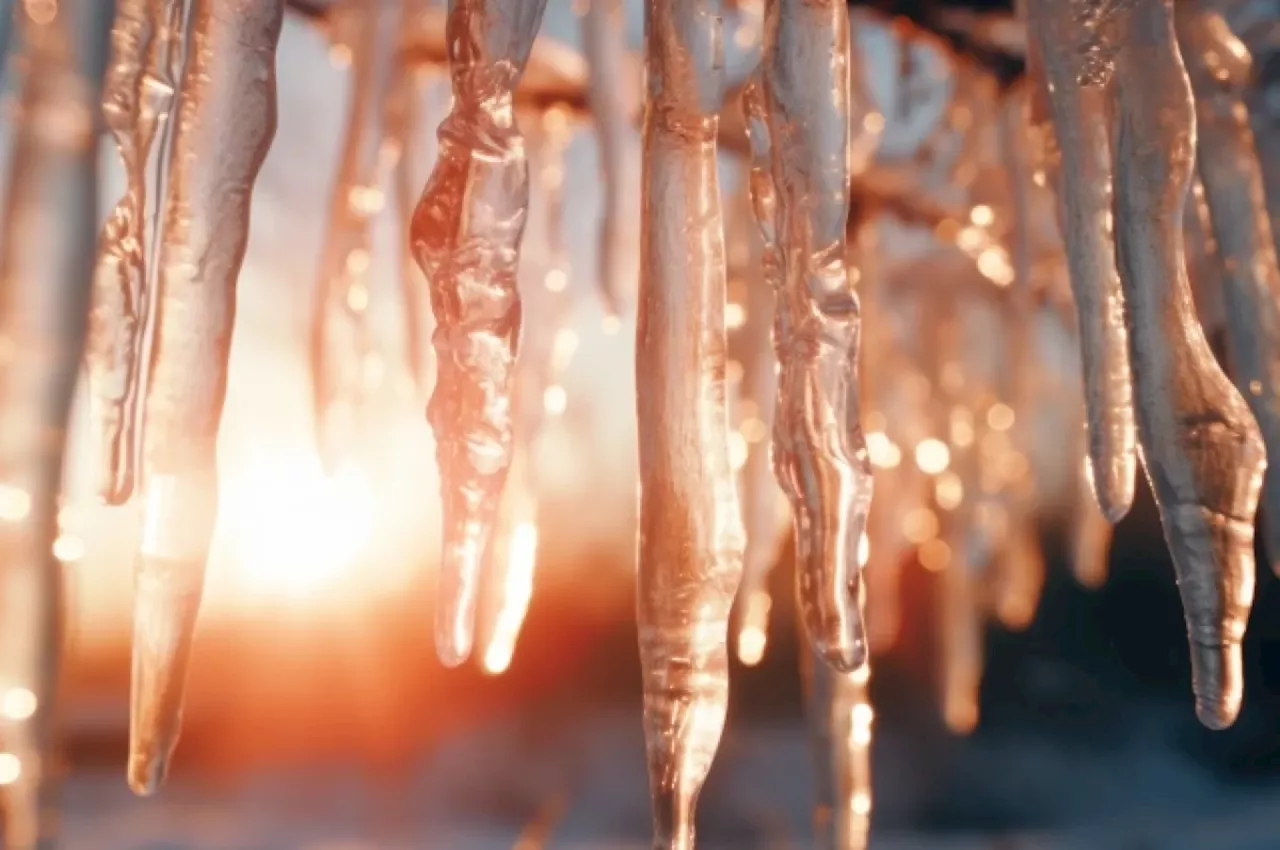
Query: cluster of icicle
{"points": [[1129, 151]]}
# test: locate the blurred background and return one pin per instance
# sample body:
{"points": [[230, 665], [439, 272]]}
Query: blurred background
{"points": [[319, 718]]}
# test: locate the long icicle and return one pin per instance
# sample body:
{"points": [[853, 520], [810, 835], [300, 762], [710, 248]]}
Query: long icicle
{"points": [[760, 377], [818, 442], [340, 341], [466, 236], [46, 269], [839, 718], [1219, 69], [536, 396], [225, 124], [1200, 444], [137, 98], [1074, 141], [691, 539], [604, 42]]}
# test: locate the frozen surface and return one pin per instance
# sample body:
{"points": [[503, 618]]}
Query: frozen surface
{"points": [[503, 782]]}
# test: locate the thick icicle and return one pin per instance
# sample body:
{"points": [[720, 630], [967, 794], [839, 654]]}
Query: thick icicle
{"points": [[45, 272], [1219, 68], [604, 41], [137, 98], [466, 235], [340, 343], [1075, 152], [819, 450], [839, 717], [225, 124], [691, 539], [1200, 444]]}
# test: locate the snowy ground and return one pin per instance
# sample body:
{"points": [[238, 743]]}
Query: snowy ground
{"points": [[504, 787]]}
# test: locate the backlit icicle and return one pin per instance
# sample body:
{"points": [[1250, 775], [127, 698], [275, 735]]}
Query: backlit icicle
{"points": [[1020, 566], [545, 349], [225, 123], [466, 235], [1200, 444], [1219, 68], [1090, 533], [960, 628], [1076, 155], [759, 487], [839, 717], [818, 443], [137, 98], [46, 267], [691, 539], [1204, 266], [403, 123], [604, 42], [340, 343]]}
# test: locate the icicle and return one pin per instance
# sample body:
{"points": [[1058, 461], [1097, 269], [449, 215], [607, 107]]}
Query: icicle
{"points": [[340, 341], [46, 269], [1219, 69], [137, 98], [1204, 266], [1075, 153], [1199, 442], [225, 123], [839, 718], [691, 537], [1090, 544], [466, 235], [604, 41], [960, 630], [515, 555], [545, 349], [818, 443], [403, 123], [1020, 566], [759, 488]]}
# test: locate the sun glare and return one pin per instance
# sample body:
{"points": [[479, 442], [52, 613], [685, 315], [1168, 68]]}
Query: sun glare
{"points": [[292, 529]]}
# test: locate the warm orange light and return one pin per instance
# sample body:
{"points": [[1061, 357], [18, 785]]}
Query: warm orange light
{"points": [[522, 555], [292, 529], [752, 636]]}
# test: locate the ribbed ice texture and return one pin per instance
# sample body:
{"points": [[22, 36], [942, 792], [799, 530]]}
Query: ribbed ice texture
{"points": [[604, 42], [839, 717], [466, 235], [340, 343], [819, 452], [1219, 68], [46, 268], [225, 123], [1200, 444], [691, 539], [1067, 92]]}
